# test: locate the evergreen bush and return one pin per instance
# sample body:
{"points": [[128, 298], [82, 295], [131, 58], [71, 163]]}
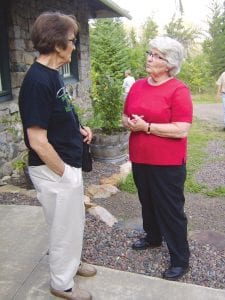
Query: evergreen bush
{"points": [[107, 103]]}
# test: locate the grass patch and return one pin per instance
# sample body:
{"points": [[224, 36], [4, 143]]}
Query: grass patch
{"points": [[217, 192], [128, 185], [200, 135], [205, 98], [197, 142]]}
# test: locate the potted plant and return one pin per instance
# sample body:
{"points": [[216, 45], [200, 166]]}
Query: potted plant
{"points": [[110, 139], [109, 58]]}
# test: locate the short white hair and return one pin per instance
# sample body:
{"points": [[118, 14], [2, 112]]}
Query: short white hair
{"points": [[172, 50]]}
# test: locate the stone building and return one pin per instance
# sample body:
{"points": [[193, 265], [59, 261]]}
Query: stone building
{"points": [[17, 54]]}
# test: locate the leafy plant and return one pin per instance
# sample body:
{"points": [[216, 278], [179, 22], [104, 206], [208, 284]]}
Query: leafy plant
{"points": [[107, 103], [109, 60], [19, 164], [195, 73]]}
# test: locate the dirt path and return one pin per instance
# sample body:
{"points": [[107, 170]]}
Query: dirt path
{"points": [[210, 112]]}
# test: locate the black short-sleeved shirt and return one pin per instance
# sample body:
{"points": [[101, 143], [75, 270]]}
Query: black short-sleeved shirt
{"points": [[44, 102]]}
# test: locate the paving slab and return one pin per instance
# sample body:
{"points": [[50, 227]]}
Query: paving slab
{"points": [[111, 284], [117, 285], [23, 240]]}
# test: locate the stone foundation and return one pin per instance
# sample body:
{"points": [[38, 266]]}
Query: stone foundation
{"points": [[21, 16]]}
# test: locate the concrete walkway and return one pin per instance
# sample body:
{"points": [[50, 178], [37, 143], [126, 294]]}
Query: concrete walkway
{"points": [[24, 268]]}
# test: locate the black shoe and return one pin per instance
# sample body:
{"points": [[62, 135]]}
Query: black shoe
{"points": [[174, 273], [143, 244]]}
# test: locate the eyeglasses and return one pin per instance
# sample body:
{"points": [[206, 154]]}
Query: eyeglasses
{"points": [[73, 41], [155, 56]]}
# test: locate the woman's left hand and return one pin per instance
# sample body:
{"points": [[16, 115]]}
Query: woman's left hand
{"points": [[137, 123], [87, 133]]}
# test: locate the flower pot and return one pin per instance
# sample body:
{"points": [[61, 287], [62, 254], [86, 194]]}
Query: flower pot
{"points": [[111, 148]]}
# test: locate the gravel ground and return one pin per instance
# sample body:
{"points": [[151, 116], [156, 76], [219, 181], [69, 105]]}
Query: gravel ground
{"points": [[213, 172], [111, 247], [100, 170]]}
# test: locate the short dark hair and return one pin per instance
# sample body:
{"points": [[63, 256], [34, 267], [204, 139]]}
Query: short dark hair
{"points": [[51, 29]]}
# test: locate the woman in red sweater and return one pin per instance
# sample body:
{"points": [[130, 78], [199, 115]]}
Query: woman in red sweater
{"points": [[158, 112]]}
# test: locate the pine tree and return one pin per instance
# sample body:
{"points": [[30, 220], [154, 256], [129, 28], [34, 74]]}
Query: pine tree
{"points": [[214, 46], [109, 60], [183, 33], [149, 31], [109, 53]]}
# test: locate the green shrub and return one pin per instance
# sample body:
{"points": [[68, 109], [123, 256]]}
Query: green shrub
{"points": [[107, 103], [195, 73]]}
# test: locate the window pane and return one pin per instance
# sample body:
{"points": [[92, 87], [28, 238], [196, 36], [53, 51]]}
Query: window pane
{"points": [[66, 70], [70, 70]]}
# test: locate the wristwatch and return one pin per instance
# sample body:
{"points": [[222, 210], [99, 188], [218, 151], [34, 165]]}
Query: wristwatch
{"points": [[149, 128]]}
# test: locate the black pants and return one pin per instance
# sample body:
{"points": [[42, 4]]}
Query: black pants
{"points": [[161, 193]]}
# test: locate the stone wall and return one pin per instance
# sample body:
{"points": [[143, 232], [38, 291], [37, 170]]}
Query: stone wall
{"points": [[21, 17]]}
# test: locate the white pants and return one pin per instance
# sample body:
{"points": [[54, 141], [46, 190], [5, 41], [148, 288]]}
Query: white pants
{"points": [[62, 200]]}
